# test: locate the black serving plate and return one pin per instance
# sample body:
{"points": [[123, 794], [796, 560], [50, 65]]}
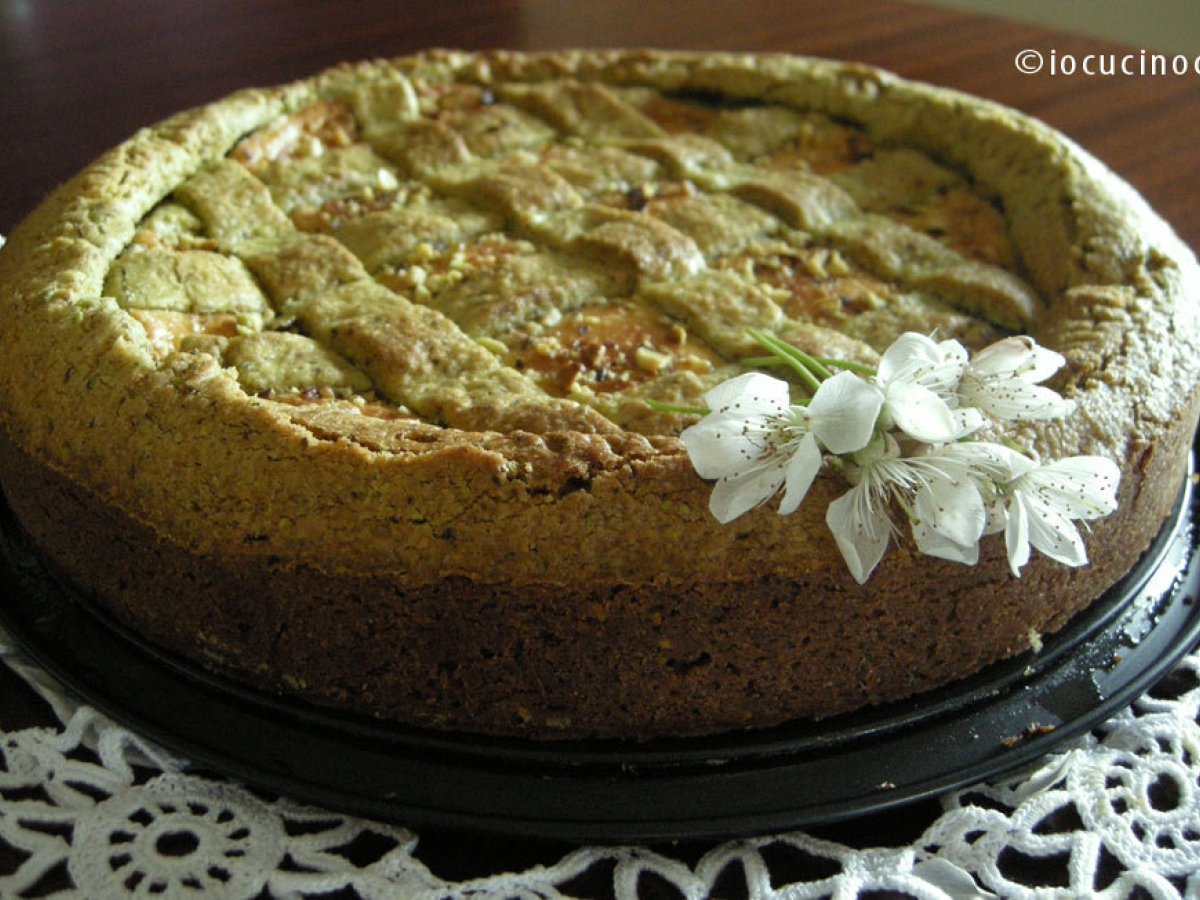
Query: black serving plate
{"points": [[795, 775]]}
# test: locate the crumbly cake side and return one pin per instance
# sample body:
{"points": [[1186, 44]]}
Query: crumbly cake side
{"points": [[339, 387]]}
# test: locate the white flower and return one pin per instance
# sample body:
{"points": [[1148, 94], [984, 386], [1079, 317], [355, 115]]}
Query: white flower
{"points": [[843, 412], [1004, 381], [1044, 501], [745, 442], [897, 435], [958, 503], [919, 378], [754, 441], [945, 490], [859, 518]]}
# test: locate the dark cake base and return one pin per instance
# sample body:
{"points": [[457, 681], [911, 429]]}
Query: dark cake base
{"points": [[793, 775]]}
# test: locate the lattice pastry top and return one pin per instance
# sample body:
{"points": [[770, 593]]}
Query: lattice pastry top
{"points": [[546, 256]]}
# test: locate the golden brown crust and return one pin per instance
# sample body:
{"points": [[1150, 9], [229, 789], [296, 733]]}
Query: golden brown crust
{"points": [[489, 495]]}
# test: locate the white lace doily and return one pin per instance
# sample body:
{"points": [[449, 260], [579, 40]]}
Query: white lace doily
{"points": [[90, 810]]}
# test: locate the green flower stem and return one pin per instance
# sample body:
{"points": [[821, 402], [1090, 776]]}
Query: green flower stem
{"points": [[762, 362], [799, 361], [812, 369], [675, 408], [815, 365], [856, 368]]}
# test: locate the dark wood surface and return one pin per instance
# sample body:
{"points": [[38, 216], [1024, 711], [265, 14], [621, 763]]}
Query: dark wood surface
{"points": [[76, 77]]}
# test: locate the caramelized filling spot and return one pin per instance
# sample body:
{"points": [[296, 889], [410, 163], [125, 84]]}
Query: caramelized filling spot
{"points": [[328, 217], [678, 116], [815, 284], [166, 328], [606, 349], [311, 131], [824, 148], [965, 221]]}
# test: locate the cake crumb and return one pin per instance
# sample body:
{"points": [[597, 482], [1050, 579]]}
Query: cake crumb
{"points": [[1035, 729]]}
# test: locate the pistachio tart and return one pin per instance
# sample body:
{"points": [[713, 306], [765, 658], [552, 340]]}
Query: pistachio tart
{"points": [[368, 389]]}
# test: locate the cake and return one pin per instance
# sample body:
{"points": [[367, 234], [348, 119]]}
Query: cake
{"points": [[368, 390]]}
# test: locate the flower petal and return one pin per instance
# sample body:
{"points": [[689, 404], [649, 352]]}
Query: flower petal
{"points": [[1017, 357], [843, 411], [1078, 487], [993, 461], [1042, 365], [801, 469], [1004, 357], [931, 543], [1016, 536], [1015, 400], [938, 366], [951, 508], [905, 353], [737, 494], [953, 356], [922, 414], [718, 445], [997, 513], [1002, 379], [1055, 536], [861, 534], [752, 393], [969, 421]]}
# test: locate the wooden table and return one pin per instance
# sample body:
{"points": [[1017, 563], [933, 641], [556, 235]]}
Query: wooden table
{"points": [[76, 78]]}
